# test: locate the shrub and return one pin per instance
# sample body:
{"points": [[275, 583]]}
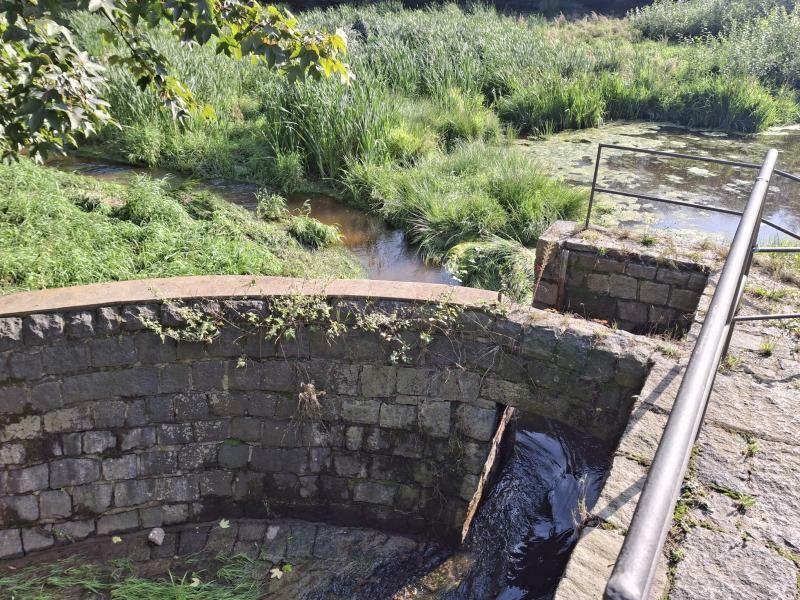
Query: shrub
{"points": [[271, 207]]}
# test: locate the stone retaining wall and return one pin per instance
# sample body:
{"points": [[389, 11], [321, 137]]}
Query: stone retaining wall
{"points": [[598, 278], [105, 427]]}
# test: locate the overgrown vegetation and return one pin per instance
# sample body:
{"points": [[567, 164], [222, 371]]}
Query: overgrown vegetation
{"points": [[238, 578], [424, 134], [58, 229]]}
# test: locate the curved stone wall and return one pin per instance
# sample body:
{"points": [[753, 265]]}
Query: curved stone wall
{"points": [[106, 427]]}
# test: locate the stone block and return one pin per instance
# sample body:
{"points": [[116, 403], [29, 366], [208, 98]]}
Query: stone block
{"points": [[418, 382], [89, 386], [28, 479], [140, 437], [134, 317], [118, 523], [93, 498], [598, 283], [175, 434], [609, 265], [356, 410], [660, 315], [407, 498], [697, 282], [13, 399], [672, 276], [73, 471], [378, 381], [65, 358], [97, 442], [12, 454], [77, 418], [635, 312], [397, 416], [25, 365], [158, 462], [133, 492], [228, 404], [300, 540], [546, 293], [333, 489], [10, 333], [80, 324], [353, 438], [653, 293], [211, 431], [18, 509], [622, 286], [475, 422], [122, 467], [434, 418], [373, 492], [46, 396], [319, 459], [136, 413], [234, 456], [108, 320], [281, 434], [641, 271], [71, 444], [42, 328], [260, 404], [109, 413], [349, 465], [10, 543], [54, 504], [253, 486], [685, 300], [572, 350], [113, 351], [293, 460], [24, 428], [138, 381], [247, 429], [178, 489], [174, 378], [216, 483], [391, 468], [197, 456], [74, 530], [408, 444], [151, 349], [161, 409], [209, 375]]}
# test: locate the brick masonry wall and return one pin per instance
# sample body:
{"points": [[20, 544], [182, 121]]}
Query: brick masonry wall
{"points": [[104, 428], [637, 291]]}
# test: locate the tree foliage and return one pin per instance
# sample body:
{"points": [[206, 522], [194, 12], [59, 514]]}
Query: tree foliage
{"points": [[51, 91]]}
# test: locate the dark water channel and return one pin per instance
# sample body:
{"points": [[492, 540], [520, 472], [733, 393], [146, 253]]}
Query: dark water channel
{"points": [[529, 522], [383, 252]]}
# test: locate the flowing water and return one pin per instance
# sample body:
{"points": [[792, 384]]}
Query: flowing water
{"points": [[525, 529], [382, 251]]}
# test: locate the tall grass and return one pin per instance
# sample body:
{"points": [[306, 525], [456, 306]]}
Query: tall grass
{"points": [[676, 19], [58, 229], [473, 193]]}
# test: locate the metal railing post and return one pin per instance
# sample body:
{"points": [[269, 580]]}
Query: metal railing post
{"points": [[638, 559], [594, 185]]}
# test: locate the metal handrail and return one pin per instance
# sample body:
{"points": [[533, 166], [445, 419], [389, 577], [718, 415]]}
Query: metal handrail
{"points": [[639, 556], [707, 159]]}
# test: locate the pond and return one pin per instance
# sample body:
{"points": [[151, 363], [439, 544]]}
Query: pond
{"points": [[572, 154]]}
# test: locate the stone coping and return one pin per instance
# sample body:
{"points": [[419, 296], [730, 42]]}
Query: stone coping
{"points": [[232, 286]]}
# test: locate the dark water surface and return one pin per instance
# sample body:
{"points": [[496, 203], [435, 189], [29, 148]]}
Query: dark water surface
{"points": [[529, 522], [383, 252]]}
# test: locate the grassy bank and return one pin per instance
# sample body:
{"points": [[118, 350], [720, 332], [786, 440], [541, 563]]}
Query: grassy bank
{"points": [[58, 229], [421, 136]]}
